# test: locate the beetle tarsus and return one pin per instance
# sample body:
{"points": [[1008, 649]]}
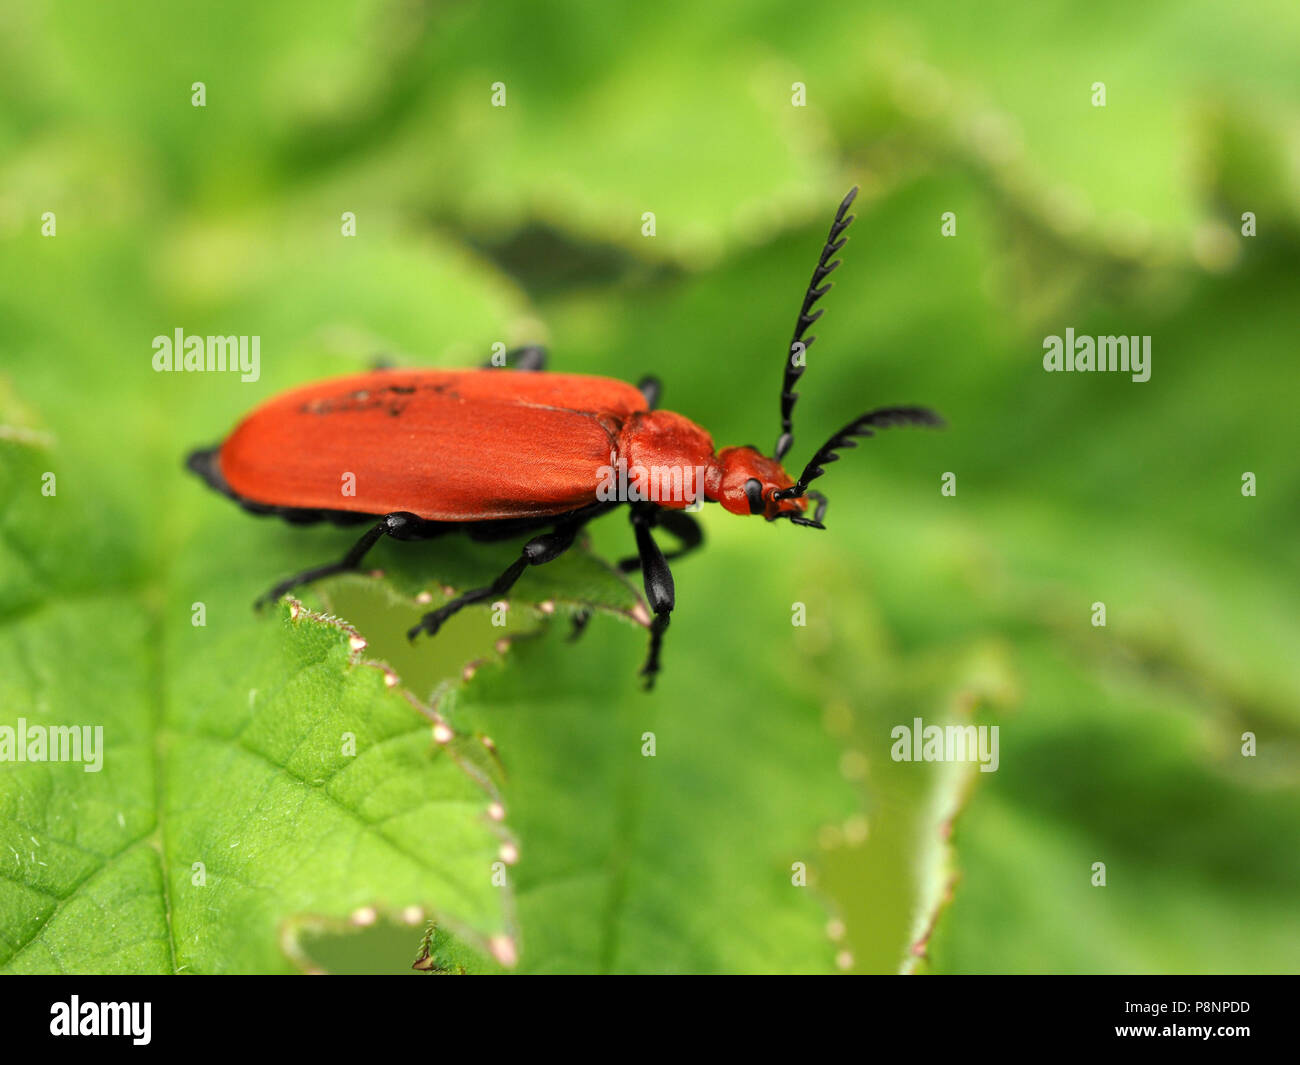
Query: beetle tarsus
{"points": [[651, 668], [580, 621]]}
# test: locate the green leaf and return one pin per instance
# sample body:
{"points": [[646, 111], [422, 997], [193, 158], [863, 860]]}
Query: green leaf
{"points": [[250, 772], [674, 832]]}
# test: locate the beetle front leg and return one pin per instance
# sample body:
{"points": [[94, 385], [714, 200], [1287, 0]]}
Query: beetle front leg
{"points": [[682, 526], [660, 591], [650, 387], [538, 551], [397, 525]]}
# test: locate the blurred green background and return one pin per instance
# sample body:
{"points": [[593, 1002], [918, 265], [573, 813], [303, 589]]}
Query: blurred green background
{"points": [[523, 223]]}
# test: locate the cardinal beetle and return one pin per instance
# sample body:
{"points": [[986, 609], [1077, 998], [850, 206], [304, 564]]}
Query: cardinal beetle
{"points": [[497, 453]]}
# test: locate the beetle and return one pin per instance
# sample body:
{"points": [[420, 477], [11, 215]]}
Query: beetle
{"points": [[498, 453]]}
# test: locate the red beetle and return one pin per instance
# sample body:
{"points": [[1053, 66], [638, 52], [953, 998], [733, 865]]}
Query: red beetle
{"points": [[496, 454]]}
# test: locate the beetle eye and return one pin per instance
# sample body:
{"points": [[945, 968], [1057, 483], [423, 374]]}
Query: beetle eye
{"points": [[754, 493]]}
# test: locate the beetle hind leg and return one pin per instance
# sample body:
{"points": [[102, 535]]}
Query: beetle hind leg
{"points": [[538, 551]]}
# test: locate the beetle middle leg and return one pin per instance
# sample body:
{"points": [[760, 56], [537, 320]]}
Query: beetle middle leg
{"points": [[538, 551], [659, 589], [400, 525]]}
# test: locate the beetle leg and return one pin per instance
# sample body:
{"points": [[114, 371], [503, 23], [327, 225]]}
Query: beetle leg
{"points": [[659, 589], [650, 387], [397, 525], [580, 620], [682, 526], [532, 357], [538, 550]]}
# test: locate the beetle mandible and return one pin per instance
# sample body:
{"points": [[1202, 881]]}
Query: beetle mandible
{"points": [[498, 453]]}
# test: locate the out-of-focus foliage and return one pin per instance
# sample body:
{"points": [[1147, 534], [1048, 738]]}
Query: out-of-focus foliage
{"points": [[478, 224]]}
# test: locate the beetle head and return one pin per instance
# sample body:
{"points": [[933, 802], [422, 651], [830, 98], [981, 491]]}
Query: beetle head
{"points": [[750, 483]]}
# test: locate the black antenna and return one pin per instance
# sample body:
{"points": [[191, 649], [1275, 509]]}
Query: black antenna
{"points": [[863, 425], [816, 290]]}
